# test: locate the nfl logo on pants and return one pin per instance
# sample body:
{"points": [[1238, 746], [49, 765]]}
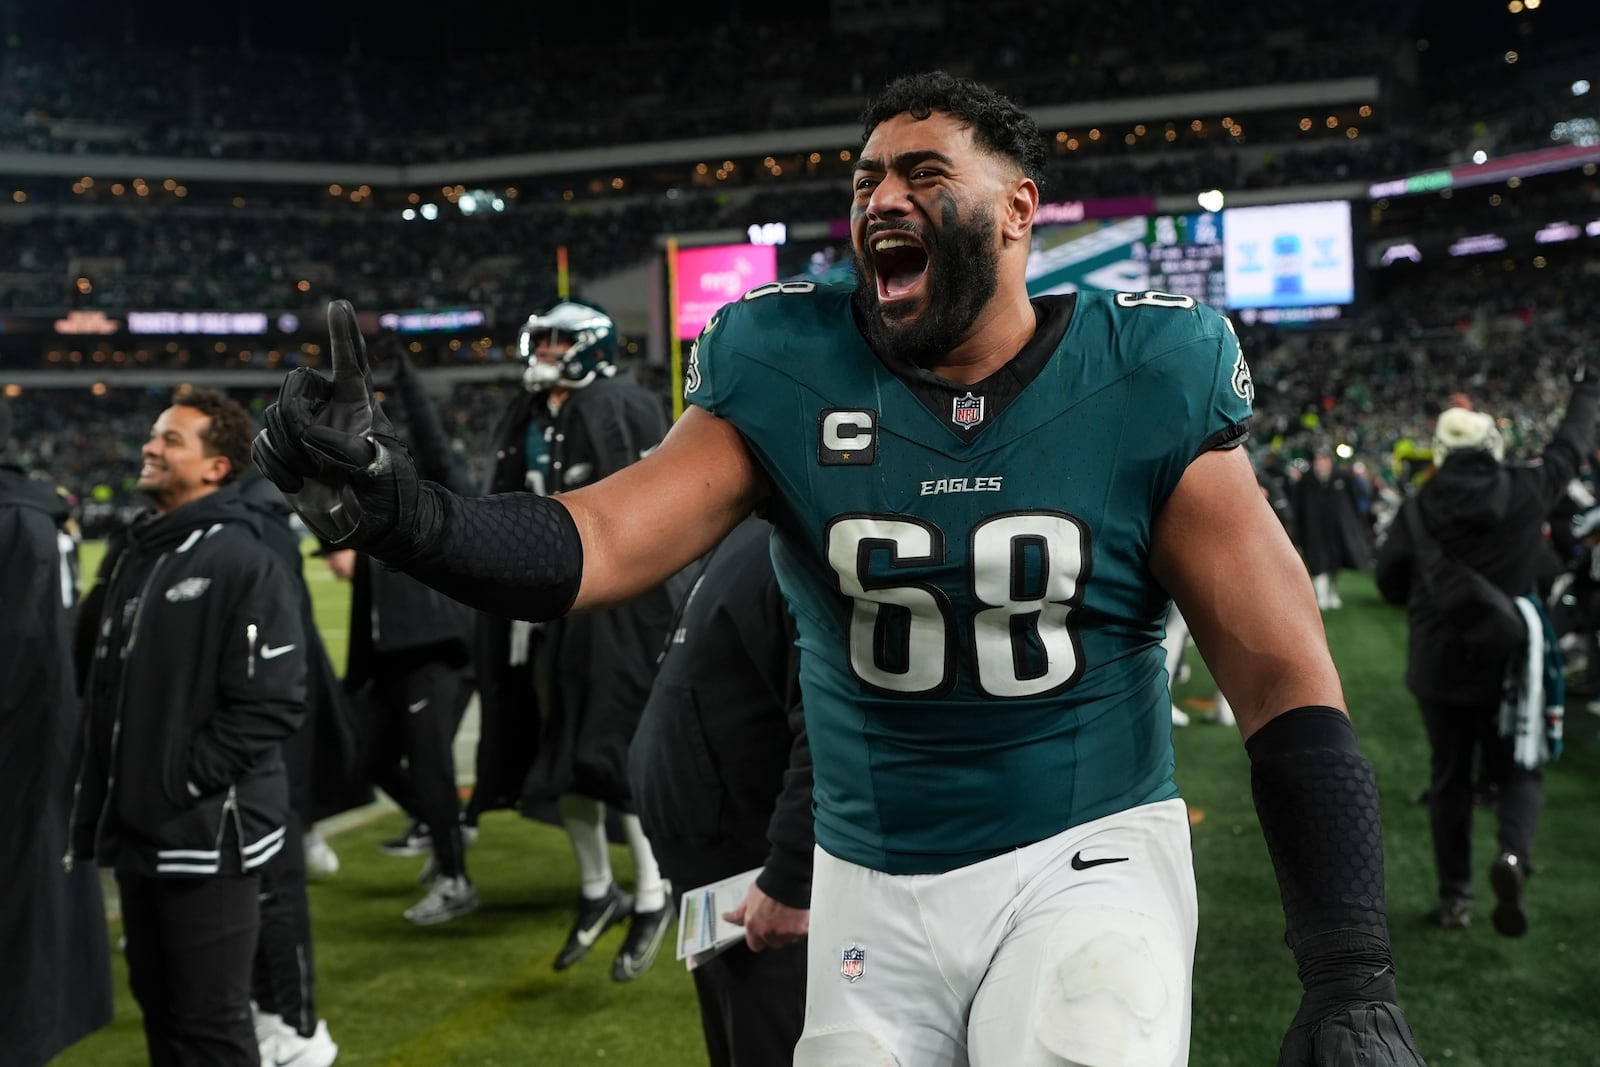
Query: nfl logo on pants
{"points": [[853, 963]]}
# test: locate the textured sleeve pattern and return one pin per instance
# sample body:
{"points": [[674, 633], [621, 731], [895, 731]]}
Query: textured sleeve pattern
{"points": [[513, 554]]}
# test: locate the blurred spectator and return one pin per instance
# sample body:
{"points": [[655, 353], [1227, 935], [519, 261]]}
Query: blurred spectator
{"points": [[722, 773], [1489, 517], [560, 701], [1328, 528], [56, 982]]}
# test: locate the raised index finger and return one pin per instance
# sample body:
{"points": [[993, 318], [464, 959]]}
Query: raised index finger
{"points": [[352, 376]]}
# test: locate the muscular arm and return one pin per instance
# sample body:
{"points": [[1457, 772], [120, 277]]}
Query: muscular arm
{"points": [[628, 532], [1222, 554], [1248, 601], [648, 521]]}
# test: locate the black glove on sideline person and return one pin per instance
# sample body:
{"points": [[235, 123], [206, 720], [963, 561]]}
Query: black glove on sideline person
{"points": [[333, 452]]}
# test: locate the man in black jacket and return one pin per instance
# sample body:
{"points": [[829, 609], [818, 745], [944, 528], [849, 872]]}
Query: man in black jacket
{"points": [[197, 676], [560, 702], [1490, 517], [722, 774], [56, 982]]}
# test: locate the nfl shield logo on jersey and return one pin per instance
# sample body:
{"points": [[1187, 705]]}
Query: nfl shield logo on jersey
{"points": [[853, 963], [967, 410]]}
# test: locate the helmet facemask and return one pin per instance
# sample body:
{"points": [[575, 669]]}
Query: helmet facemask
{"points": [[590, 341]]}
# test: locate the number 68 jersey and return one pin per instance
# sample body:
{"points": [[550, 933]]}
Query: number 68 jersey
{"points": [[968, 566]]}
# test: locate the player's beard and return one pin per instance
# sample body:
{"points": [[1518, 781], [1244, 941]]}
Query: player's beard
{"points": [[963, 273]]}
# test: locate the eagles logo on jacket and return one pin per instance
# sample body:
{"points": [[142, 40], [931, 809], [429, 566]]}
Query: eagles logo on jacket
{"points": [[198, 674]]}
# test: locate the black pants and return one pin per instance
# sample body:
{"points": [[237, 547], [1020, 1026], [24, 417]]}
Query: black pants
{"points": [[752, 1005], [415, 706], [190, 946], [285, 970], [1457, 735]]}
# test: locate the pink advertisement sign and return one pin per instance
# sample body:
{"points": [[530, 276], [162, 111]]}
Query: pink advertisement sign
{"points": [[713, 276]]}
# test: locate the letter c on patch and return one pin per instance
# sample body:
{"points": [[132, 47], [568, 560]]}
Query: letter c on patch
{"points": [[847, 431], [846, 436]]}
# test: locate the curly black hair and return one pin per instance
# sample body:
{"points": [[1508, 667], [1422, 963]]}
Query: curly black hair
{"points": [[997, 124], [231, 431]]}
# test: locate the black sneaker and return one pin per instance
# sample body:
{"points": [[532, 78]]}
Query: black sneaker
{"points": [[414, 841], [1452, 914], [639, 948], [1507, 876], [595, 917]]}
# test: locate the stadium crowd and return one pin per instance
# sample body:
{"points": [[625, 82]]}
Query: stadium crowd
{"points": [[1503, 335], [238, 104]]}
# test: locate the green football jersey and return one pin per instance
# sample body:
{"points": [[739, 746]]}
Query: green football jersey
{"points": [[968, 566]]}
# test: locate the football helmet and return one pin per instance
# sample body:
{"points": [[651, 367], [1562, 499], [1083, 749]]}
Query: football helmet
{"points": [[590, 338]]}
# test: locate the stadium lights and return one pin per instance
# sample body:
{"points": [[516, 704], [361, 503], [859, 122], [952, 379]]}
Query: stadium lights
{"points": [[408, 214], [1580, 87], [1480, 157], [1343, 451], [430, 211], [475, 200], [1211, 200]]}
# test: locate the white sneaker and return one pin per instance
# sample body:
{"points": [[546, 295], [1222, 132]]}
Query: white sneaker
{"points": [[269, 1027], [449, 898], [289, 1049], [321, 860], [1179, 716]]}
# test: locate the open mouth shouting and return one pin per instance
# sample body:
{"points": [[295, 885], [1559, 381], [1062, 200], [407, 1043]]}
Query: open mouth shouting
{"points": [[900, 265]]}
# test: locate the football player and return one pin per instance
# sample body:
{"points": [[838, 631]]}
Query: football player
{"points": [[983, 506]]}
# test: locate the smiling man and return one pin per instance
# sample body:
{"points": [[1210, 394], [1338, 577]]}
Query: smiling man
{"points": [[1003, 873], [198, 674]]}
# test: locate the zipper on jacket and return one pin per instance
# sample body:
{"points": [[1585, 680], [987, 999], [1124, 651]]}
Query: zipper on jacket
{"points": [[121, 695], [250, 639], [231, 804], [222, 821]]}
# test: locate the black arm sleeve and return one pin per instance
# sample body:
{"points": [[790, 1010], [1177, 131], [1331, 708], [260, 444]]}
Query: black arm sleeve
{"points": [[513, 554], [1317, 798]]}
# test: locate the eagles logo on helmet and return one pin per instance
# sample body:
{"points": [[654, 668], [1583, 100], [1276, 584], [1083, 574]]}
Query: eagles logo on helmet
{"points": [[581, 344]]}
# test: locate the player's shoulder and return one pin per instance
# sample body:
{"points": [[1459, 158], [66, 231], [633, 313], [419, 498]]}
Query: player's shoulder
{"points": [[1146, 325], [777, 310]]}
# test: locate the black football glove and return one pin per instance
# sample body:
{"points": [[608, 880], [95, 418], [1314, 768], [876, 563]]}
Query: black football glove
{"points": [[333, 452], [1366, 1035], [1348, 1016]]}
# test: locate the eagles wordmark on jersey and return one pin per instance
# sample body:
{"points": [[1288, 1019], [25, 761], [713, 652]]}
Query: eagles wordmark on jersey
{"points": [[967, 564]]}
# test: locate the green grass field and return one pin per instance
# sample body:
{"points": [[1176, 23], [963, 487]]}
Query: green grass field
{"points": [[480, 991]]}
